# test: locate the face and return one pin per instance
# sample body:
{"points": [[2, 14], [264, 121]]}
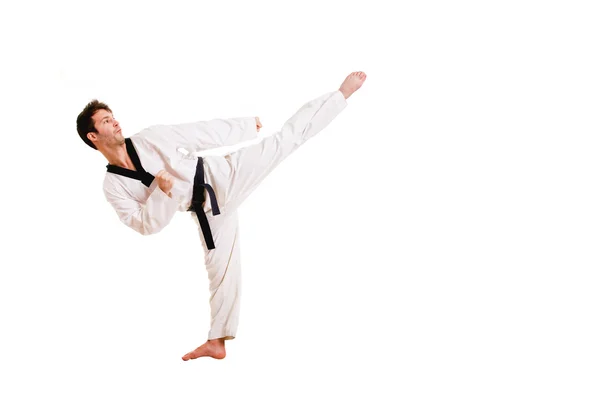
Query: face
{"points": [[109, 130]]}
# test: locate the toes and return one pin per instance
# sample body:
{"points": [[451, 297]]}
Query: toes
{"points": [[189, 356]]}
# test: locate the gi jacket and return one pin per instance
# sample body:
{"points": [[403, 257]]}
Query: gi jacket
{"points": [[147, 209]]}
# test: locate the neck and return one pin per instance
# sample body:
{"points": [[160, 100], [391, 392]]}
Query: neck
{"points": [[118, 156]]}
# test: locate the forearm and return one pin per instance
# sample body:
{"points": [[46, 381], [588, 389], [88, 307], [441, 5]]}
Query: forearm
{"points": [[205, 135]]}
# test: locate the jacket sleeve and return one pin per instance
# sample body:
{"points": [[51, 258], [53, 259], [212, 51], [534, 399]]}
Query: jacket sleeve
{"points": [[206, 135], [147, 218]]}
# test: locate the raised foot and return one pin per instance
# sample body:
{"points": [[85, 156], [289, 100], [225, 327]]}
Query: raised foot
{"points": [[352, 83], [212, 348]]}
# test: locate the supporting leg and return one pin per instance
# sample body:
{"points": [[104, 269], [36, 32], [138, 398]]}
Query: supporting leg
{"points": [[224, 276]]}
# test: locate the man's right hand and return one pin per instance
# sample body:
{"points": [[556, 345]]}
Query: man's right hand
{"points": [[165, 181], [258, 124]]}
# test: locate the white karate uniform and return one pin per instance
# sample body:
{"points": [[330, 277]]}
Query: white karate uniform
{"points": [[233, 177]]}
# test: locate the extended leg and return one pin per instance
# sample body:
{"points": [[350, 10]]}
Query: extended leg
{"points": [[252, 164], [236, 175]]}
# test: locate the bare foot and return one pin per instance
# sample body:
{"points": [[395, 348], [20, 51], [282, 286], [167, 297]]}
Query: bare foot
{"points": [[214, 348], [352, 83]]}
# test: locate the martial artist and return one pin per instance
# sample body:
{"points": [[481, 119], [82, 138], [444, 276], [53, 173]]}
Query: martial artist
{"points": [[155, 173]]}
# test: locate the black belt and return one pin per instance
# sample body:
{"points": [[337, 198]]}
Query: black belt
{"points": [[198, 203]]}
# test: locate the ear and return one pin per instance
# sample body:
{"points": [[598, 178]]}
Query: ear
{"points": [[92, 136]]}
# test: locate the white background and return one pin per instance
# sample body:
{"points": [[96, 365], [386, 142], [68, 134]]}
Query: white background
{"points": [[439, 240]]}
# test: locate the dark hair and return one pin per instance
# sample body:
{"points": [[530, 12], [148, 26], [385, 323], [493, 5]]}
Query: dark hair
{"points": [[85, 123]]}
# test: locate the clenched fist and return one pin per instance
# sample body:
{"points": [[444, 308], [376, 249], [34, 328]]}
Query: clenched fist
{"points": [[165, 181], [258, 124]]}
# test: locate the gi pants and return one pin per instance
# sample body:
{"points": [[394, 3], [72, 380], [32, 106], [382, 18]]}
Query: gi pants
{"points": [[233, 177]]}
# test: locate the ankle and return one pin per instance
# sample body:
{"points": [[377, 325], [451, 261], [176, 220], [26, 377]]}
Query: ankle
{"points": [[344, 93]]}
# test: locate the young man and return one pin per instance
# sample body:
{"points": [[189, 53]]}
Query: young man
{"points": [[148, 179]]}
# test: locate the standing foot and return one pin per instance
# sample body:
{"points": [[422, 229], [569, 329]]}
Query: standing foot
{"points": [[214, 348], [352, 83]]}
